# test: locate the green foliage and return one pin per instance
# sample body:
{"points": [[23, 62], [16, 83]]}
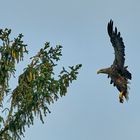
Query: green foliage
{"points": [[37, 86], [10, 53]]}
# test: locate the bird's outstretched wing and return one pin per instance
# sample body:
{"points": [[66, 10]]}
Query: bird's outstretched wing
{"points": [[117, 43]]}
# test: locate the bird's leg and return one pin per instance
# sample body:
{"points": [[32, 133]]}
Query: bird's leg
{"points": [[121, 97]]}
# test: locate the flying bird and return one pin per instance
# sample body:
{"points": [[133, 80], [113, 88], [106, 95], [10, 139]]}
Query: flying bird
{"points": [[117, 71]]}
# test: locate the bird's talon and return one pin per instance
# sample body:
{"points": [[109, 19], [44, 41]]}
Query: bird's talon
{"points": [[121, 97]]}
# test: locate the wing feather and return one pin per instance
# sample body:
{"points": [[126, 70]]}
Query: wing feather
{"points": [[118, 45]]}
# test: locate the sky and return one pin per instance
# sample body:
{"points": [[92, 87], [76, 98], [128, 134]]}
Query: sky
{"points": [[91, 109]]}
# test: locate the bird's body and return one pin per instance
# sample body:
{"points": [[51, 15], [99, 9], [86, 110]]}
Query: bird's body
{"points": [[117, 72]]}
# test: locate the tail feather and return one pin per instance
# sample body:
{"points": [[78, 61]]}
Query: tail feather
{"points": [[126, 96]]}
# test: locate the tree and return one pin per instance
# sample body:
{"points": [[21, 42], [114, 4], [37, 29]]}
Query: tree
{"points": [[38, 86]]}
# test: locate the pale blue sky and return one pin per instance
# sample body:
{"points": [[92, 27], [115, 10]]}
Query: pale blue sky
{"points": [[91, 110]]}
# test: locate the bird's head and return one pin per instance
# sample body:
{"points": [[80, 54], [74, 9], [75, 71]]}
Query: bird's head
{"points": [[104, 71]]}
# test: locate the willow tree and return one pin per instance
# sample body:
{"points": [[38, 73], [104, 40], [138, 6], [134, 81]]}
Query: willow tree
{"points": [[37, 87]]}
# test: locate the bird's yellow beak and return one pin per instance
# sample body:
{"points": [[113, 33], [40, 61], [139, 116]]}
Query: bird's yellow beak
{"points": [[98, 71]]}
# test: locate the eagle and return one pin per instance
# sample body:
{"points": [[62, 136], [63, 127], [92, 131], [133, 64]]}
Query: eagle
{"points": [[118, 71]]}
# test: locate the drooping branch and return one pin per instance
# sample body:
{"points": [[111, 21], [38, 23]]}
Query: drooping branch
{"points": [[11, 51]]}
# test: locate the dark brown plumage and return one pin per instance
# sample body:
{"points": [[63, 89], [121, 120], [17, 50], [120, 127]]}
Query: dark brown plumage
{"points": [[117, 72]]}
